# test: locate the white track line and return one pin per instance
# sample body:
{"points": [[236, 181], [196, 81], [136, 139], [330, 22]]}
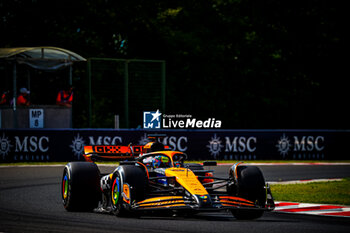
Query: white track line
{"points": [[305, 181]]}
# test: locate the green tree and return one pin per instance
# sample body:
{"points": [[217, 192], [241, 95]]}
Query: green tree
{"points": [[252, 64]]}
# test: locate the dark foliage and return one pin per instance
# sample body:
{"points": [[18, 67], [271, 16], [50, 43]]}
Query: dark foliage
{"points": [[251, 64]]}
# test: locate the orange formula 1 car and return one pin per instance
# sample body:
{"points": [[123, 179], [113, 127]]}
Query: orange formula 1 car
{"points": [[151, 178]]}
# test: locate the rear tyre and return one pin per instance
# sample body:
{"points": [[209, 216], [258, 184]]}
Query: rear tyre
{"points": [[135, 180], [250, 186], [80, 187]]}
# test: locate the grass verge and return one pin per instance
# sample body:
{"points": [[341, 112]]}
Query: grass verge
{"points": [[332, 192]]}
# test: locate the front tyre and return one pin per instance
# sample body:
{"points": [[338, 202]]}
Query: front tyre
{"points": [[129, 185], [117, 201], [251, 186]]}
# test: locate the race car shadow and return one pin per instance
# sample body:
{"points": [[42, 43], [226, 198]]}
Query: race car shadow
{"points": [[214, 216], [221, 216], [204, 216], [187, 218]]}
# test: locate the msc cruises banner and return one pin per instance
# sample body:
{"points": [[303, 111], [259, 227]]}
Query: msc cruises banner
{"points": [[67, 145]]}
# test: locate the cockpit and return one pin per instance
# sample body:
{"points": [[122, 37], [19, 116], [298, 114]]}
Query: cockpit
{"points": [[162, 160]]}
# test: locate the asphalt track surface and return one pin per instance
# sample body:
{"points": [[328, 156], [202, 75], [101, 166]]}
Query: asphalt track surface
{"points": [[30, 201]]}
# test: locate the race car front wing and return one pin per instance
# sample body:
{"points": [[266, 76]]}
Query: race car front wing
{"points": [[200, 203]]}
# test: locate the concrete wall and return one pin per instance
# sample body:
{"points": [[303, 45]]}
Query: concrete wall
{"points": [[54, 117]]}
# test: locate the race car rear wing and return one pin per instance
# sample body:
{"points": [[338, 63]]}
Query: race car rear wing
{"points": [[111, 153]]}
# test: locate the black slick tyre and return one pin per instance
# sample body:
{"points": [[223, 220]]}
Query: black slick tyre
{"points": [[80, 187], [133, 179], [250, 186], [118, 205]]}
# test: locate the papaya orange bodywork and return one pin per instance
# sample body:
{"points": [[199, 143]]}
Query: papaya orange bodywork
{"points": [[187, 179]]}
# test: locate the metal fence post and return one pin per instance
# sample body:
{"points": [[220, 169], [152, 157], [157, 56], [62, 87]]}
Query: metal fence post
{"points": [[15, 125], [126, 95], [89, 94], [163, 86]]}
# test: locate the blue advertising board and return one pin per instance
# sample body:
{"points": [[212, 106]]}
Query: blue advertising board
{"points": [[67, 145]]}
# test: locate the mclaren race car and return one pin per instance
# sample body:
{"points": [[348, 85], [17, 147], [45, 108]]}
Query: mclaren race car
{"points": [[153, 178]]}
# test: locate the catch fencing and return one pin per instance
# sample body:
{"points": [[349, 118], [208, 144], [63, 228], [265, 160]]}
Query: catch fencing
{"points": [[123, 87]]}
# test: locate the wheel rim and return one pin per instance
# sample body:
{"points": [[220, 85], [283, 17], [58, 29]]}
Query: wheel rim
{"points": [[115, 191], [65, 187]]}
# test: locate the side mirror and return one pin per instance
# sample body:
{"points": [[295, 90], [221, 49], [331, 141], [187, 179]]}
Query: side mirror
{"points": [[209, 163]]}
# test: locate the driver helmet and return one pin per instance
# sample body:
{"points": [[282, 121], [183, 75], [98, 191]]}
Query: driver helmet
{"points": [[160, 161]]}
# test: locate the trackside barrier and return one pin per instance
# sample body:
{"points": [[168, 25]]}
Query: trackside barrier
{"points": [[67, 144]]}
